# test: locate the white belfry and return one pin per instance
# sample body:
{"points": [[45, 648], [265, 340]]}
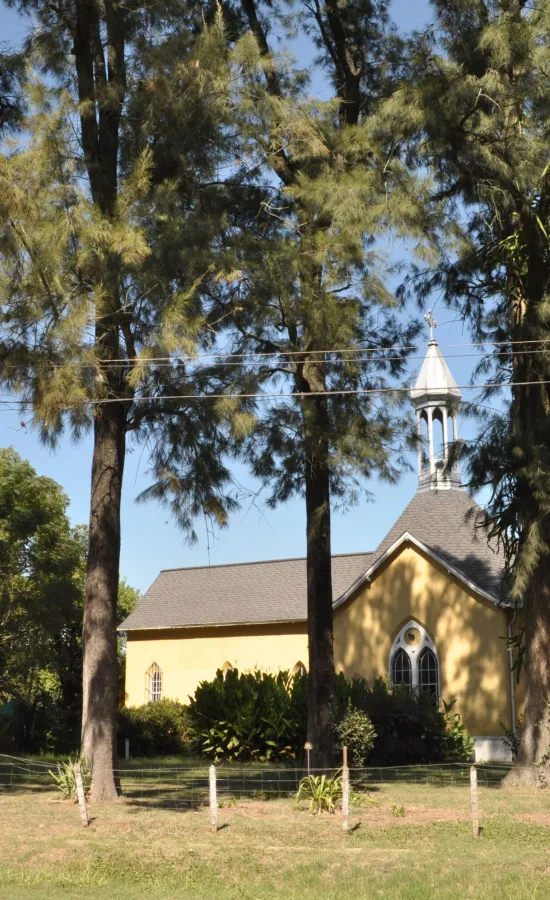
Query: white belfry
{"points": [[436, 398]]}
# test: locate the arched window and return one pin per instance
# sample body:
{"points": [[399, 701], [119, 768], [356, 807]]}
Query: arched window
{"points": [[413, 660], [428, 673], [299, 668], [154, 682], [401, 668]]}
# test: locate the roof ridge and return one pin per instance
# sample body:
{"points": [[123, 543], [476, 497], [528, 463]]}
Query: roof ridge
{"points": [[260, 562]]}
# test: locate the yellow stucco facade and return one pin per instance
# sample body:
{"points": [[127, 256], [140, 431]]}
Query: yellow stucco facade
{"points": [[188, 656], [468, 633]]}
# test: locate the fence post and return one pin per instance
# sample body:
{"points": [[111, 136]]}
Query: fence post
{"points": [[213, 800], [474, 801], [345, 791], [80, 794], [127, 748]]}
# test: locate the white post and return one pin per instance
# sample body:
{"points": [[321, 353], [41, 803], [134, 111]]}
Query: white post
{"points": [[431, 439], [445, 434], [80, 795], [345, 791], [127, 748], [213, 800], [474, 801]]}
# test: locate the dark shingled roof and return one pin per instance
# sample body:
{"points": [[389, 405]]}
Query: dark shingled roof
{"points": [[272, 591], [445, 521], [275, 591]]}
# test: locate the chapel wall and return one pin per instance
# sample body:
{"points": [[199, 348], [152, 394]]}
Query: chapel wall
{"points": [[467, 633], [188, 656]]}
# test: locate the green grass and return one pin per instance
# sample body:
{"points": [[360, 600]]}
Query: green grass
{"points": [[272, 851]]}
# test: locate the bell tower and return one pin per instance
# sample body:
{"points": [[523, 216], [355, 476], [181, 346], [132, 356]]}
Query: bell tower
{"points": [[436, 398]]}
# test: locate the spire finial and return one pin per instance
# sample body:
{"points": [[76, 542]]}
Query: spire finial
{"points": [[431, 322]]}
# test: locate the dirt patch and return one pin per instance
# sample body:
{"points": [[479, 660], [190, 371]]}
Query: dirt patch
{"points": [[537, 818]]}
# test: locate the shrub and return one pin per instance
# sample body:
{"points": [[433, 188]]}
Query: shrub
{"points": [[157, 728], [513, 740], [321, 792], [253, 715], [459, 746], [356, 732], [410, 730], [256, 715], [65, 778]]}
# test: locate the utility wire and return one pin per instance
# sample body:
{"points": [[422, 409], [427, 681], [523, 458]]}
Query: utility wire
{"points": [[168, 361], [271, 396]]}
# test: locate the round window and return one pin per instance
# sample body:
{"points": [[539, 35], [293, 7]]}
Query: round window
{"points": [[412, 637]]}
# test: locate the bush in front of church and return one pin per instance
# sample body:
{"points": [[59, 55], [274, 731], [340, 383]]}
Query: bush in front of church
{"points": [[410, 729], [244, 716], [355, 731], [249, 715], [158, 728]]}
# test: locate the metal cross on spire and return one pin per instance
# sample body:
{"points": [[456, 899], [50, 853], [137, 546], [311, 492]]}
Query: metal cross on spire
{"points": [[431, 322]]}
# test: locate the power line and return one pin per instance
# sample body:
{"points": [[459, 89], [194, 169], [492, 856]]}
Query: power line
{"points": [[289, 394], [168, 361]]}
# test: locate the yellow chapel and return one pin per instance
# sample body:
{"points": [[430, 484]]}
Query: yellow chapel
{"points": [[427, 608]]}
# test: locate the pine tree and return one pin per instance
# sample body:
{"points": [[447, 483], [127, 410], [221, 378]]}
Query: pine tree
{"points": [[480, 110], [105, 265], [322, 192]]}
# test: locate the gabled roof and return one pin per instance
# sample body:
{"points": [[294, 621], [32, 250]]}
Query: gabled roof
{"points": [[440, 523], [447, 524], [251, 593]]}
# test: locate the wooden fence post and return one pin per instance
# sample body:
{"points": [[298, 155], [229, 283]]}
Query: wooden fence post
{"points": [[213, 800], [80, 794], [474, 801], [345, 791]]}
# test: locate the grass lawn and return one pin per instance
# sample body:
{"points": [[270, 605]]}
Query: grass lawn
{"points": [[266, 850]]}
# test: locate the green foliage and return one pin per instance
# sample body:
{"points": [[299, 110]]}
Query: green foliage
{"points": [[320, 792], [409, 728], [253, 715], [356, 732], [65, 778], [459, 744], [398, 810], [513, 739], [158, 728], [258, 715]]}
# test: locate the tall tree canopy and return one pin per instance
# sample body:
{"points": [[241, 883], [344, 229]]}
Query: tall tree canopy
{"points": [[108, 213], [480, 107], [309, 287]]}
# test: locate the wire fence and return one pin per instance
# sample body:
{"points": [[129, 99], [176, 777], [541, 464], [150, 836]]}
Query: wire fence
{"points": [[187, 786]]}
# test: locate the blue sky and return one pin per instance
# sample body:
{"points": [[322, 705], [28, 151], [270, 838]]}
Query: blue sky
{"points": [[150, 541]]}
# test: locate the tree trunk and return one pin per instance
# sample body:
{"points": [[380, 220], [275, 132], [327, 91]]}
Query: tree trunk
{"points": [[533, 762], [99, 709], [319, 582]]}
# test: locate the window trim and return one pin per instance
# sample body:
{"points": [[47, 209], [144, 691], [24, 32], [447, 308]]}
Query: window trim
{"points": [[154, 684], [414, 654]]}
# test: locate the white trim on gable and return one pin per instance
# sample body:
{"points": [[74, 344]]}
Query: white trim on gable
{"points": [[406, 537]]}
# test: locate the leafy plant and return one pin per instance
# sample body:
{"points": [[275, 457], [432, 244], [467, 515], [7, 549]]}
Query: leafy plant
{"points": [[253, 715], [459, 744], [65, 777], [511, 740], [398, 811], [361, 798], [160, 727], [410, 730], [321, 792], [356, 732]]}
